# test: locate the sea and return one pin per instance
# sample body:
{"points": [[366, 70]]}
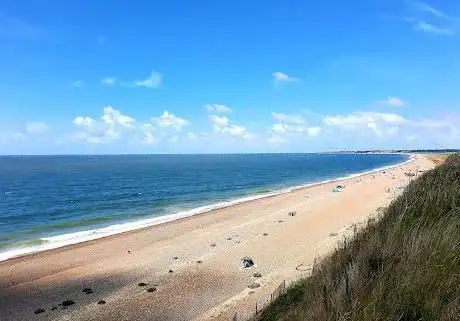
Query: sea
{"points": [[51, 201]]}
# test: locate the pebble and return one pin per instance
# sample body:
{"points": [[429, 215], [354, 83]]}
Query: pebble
{"points": [[257, 275], [67, 303], [39, 310]]}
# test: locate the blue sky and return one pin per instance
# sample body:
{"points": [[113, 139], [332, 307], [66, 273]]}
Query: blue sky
{"points": [[228, 76]]}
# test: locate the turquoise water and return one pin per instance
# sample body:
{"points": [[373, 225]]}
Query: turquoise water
{"points": [[57, 200]]}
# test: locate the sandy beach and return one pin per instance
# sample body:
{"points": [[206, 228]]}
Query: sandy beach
{"points": [[193, 265]]}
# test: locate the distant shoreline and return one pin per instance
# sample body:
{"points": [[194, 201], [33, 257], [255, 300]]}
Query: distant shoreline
{"points": [[390, 151], [67, 239]]}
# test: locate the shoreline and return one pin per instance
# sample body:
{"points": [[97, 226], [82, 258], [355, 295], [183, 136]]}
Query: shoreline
{"points": [[76, 238], [195, 262]]}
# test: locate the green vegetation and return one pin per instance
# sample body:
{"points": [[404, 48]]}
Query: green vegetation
{"points": [[404, 266]]}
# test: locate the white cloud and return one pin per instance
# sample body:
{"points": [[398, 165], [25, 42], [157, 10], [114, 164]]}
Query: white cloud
{"points": [[109, 81], [168, 119], [217, 108], [235, 130], [148, 134], [380, 124], [290, 125], [111, 126], [218, 122], [221, 125], [78, 84], [83, 121], [36, 127], [313, 131], [153, 81], [286, 118], [279, 128], [278, 76], [394, 101], [430, 28], [112, 116], [374, 128], [363, 118]]}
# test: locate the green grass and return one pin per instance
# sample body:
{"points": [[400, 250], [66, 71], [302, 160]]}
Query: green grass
{"points": [[403, 266]]}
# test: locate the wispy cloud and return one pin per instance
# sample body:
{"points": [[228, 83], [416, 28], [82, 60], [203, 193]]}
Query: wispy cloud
{"points": [[152, 81], [78, 84], [11, 27], [422, 13], [279, 77], [287, 118], [109, 81], [217, 108], [36, 127], [430, 28], [393, 101], [424, 7], [9, 137]]}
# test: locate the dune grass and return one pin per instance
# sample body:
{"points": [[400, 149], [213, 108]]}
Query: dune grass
{"points": [[403, 266]]}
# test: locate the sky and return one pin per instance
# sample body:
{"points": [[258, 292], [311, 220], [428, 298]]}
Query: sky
{"points": [[207, 76]]}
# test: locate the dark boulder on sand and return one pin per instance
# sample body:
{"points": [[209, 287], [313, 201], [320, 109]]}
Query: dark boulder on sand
{"points": [[247, 262], [39, 310], [141, 284], [67, 303], [101, 302]]}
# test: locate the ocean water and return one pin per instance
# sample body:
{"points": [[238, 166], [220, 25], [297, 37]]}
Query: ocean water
{"points": [[51, 201]]}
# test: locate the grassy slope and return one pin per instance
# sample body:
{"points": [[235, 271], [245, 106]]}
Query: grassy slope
{"points": [[404, 266]]}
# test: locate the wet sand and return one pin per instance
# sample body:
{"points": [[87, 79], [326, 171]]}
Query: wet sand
{"points": [[194, 264]]}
